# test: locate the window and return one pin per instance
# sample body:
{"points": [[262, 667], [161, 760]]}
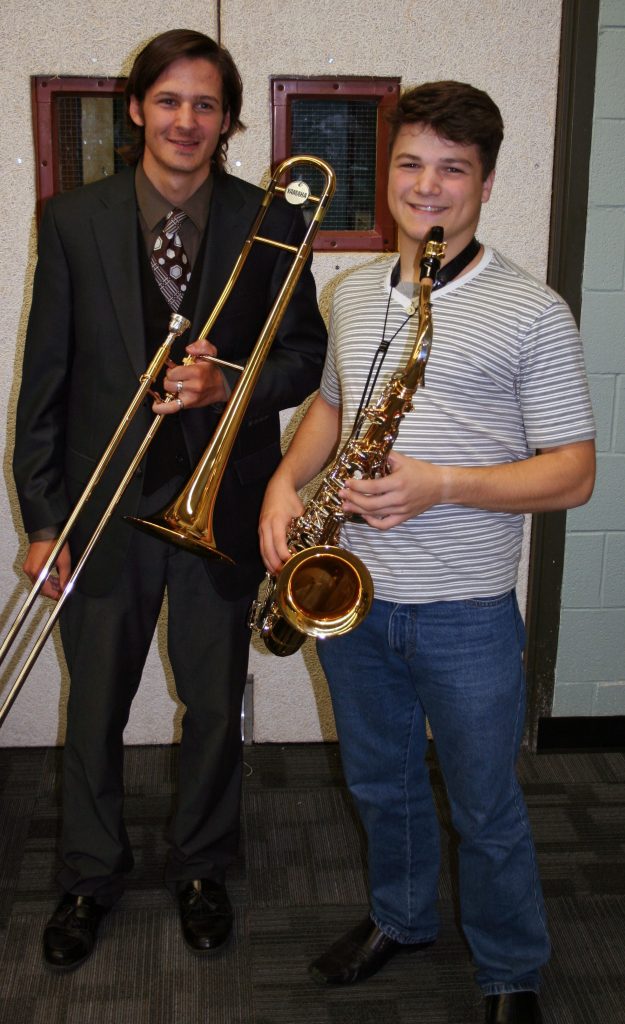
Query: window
{"points": [[342, 121], [79, 125]]}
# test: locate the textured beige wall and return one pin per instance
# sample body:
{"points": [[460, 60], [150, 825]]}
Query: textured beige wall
{"points": [[507, 48]]}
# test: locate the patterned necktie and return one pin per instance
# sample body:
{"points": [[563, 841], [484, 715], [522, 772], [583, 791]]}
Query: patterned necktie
{"points": [[169, 261]]}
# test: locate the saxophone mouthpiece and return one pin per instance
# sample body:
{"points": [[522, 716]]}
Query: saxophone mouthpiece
{"points": [[433, 254]]}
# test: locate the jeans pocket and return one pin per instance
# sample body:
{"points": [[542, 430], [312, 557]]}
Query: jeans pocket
{"points": [[498, 600]]}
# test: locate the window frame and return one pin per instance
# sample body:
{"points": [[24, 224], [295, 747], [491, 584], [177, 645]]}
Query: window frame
{"points": [[286, 89], [44, 90]]}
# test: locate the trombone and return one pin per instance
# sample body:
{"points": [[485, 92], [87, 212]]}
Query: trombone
{"points": [[198, 498]]}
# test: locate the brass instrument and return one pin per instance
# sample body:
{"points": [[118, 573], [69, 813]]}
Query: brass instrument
{"points": [[198, 498], [177, 326], [324, 590], [188, 521]]}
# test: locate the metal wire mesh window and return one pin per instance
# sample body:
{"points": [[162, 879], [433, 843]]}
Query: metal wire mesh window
{"points": [[344, 134], [89, 131], [79, 123]]}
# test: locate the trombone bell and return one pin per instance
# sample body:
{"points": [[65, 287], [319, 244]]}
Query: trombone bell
{"points": [[183, 537]]}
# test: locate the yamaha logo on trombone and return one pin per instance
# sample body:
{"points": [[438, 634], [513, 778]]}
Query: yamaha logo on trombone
{"points": [[297, 193]]}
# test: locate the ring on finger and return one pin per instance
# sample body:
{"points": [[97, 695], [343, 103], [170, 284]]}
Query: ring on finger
{"points": [[180, 403], [179, 386]]}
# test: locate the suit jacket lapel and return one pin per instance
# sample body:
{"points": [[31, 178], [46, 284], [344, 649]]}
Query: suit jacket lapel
{"points": [[231, 214], [116, 231]]}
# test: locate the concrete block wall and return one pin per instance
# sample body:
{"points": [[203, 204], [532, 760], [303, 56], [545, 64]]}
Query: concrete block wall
{"points": [[590, 671]]}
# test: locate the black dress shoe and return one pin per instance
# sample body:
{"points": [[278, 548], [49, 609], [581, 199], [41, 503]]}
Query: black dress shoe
{"points": [[69, 936], [205, 915], [358, 954], [513, 1008]]}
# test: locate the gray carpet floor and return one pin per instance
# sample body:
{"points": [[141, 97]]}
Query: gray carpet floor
{"points": [[298, 883]]}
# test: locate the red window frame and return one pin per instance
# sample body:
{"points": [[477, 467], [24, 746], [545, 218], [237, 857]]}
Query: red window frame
{"points": [[44, 89], [382, 237]]}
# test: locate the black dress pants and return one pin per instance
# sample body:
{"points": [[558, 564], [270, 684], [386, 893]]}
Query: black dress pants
{"points": [[106, 642]]}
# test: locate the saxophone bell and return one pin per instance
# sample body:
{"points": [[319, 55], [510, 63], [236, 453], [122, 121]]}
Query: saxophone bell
{"points": [[321, 591]]}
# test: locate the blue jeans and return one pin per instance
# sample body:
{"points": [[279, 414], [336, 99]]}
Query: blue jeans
{"points": [[458, 663]]}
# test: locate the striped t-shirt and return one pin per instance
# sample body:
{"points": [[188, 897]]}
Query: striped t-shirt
{"points": [[505, 376]]}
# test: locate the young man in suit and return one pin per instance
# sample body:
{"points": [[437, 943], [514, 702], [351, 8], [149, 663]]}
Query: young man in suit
{"points": [[502, 427], [103, 295]]}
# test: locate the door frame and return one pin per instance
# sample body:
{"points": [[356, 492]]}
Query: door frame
{"points": [[567, 236]]}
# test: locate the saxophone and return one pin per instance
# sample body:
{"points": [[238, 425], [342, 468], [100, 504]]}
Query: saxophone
{"points": [[324, 590]]}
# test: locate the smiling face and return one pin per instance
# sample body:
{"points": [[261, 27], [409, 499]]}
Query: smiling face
{"points": [[434, 181], [182, 114]]}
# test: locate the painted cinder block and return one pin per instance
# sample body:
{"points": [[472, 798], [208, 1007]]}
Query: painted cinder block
{"points": [[612, 13], [610, 98], [602, 388], [591, 647], [618, 444], [613, 588], [575, 700], [583, 570], [603, 330], [606, 508], [607, 177], [604, 258], [610, 699]]}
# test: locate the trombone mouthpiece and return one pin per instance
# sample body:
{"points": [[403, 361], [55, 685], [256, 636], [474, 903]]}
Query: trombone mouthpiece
{"points": [[178, 324]]}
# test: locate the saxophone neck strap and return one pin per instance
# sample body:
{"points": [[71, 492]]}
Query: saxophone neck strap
{"points": [[449, 270]]}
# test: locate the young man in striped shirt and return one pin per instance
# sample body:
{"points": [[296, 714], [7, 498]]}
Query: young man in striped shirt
{"points": [[503, 427]]}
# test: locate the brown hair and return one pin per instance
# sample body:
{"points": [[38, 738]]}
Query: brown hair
{"points": [[156, 57], [455, 111]]}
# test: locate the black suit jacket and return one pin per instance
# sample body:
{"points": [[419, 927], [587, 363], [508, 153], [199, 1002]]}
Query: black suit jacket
{"points": [[86, 348]]}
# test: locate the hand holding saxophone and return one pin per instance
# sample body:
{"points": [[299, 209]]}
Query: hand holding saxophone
{"points": [[281, 506], [411, 487], [194, 384]]}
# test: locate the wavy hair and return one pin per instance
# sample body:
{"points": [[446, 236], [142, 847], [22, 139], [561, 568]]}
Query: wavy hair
{"points": [[455, 111]]}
